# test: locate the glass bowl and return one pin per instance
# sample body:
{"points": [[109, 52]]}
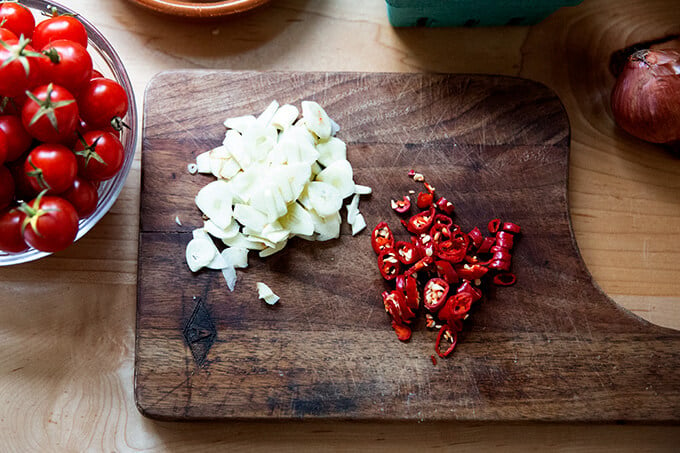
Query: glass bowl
{"points": [[105, 60]]}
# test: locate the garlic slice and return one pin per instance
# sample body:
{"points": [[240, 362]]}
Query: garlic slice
{"points": [[239, 123], [297, 220], [250, 217], [359, 224], [339, 175], [221, 233], [285, 116], [316, 119], [324, 198], [215, 201], [236, 256], [267, 115], [241, 241], [331, 150], [352, 209], [199, 253], [229, 274], [265, 293], [362, 190], [269, 251], [328, 227], [203, 162], [217, 262]]}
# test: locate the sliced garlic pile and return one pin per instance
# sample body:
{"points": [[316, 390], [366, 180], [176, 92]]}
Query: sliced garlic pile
{"points": [[279, 175]]}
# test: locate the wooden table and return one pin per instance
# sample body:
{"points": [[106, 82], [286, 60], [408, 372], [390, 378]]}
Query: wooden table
{"points": [[67, 324]]}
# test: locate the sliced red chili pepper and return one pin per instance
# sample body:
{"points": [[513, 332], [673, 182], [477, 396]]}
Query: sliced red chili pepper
{"points": [[446, 333], [402, 206], [453, 250], [474, 292], [429, 187], [411, 292], [400, 282], [476, 237], [424, 200], [403, 332], [463, 305], [403, 287], [505, 239], [456, 307], [395, 306], [424, 245], [446, 271], [504, 279], [420, 265], [430, 323], [502, 255], [471, 272], [445, 206], [494, 225], [382, 237], [486, 245], [435, 292], [500, 265], [511, 227], [421, 222], [407, 253], [441, 219], [389, 264], [474, 259], [440, 232], [498, 248], [408, 286]]}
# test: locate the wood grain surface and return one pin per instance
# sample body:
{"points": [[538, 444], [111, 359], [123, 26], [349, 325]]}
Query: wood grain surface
{"points": [[68, 321], [553, 347]]}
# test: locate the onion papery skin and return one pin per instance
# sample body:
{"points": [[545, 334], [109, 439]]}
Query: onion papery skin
{"points": [[646, 97]]}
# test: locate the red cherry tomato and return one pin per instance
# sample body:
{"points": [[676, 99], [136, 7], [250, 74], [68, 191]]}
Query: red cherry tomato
{"points": [[84, 127], [6, 187], [83, 196], [18, 139], [23, 190], [51, 223], [50, 114], [102, 102], [11, 237], [70, 64], [51, 167], [6, 34], [17, 18], [20, 65], [59, 27], [3, 147], [100, 155]]}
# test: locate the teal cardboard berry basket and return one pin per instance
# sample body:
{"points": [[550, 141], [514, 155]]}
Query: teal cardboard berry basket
{"points": [[471, 13]]}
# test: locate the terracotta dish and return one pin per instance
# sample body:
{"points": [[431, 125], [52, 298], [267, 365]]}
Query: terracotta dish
{"points": [[200, 9]]}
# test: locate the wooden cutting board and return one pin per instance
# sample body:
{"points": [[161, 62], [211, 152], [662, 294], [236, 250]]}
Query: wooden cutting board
{"points": [[553, 347]]}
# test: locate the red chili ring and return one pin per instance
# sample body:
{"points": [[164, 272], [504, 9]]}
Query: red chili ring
{"points": [[494, 225], [504, 279]]}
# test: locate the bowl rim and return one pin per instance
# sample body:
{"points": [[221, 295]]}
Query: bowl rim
{"points": [[200, 10]]}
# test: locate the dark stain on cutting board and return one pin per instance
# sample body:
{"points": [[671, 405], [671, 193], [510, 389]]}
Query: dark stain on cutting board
{"points": [[553, 347]]}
